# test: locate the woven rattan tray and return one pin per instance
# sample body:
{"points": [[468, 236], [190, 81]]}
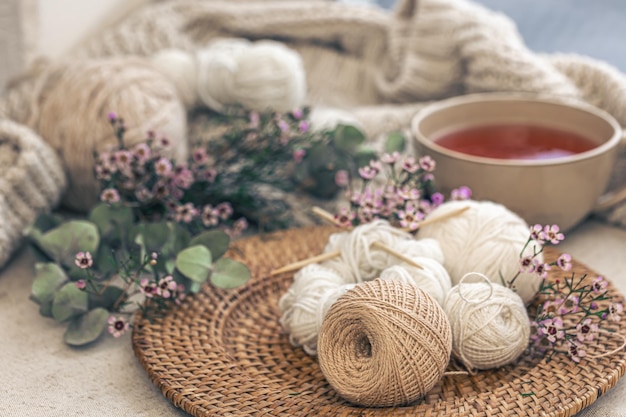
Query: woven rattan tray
{"points": [[222, 353]]}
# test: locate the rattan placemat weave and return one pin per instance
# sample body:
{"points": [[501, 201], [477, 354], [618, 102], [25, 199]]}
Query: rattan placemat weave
{"points": [[223, 353]]}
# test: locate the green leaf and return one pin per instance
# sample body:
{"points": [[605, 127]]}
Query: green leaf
{"points": [[104, 261], [214, 240], [152, 237], [348, 138], [63, 242], [170, 264], [48, 279], [42, 224], [195, 287], [86, 328], [228, 273], [396, 142], [108, 297], [195, 263], [69, 302], [363, 157], [112, 221], [178, 239]]}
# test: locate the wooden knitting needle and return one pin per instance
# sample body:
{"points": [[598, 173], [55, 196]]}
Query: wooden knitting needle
{"points": [[305, 262], [430, 220], [330, 255], [320, 212]]}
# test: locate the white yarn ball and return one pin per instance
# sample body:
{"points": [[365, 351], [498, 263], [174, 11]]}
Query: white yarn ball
{"points": [[258, 76], [359, 260], [429, 248], [433, 278], [490, 325], [310, 278], [487, 238], [180, 67], [304, 306]]}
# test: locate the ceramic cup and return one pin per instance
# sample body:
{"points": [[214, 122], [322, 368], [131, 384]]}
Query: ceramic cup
{"points": [[561, 190]]}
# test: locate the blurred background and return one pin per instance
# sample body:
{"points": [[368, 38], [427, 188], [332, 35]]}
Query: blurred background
{"points": [[52, 27]]}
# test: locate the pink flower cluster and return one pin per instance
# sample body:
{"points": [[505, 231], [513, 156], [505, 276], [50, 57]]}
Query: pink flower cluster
{"points": [[571, 315], [165, 288], [404, 199], [143, 177]]}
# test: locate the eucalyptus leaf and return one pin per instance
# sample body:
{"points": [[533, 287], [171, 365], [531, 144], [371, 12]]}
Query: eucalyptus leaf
{"points": [[48, 279], [195, 262], [228, 273], [348, 138], [170, 265], [178, 239], [42, 224], [63, 242], [112, 221], [155, 235], [107, 299], [214, 240], [395, 142], [104, 261], [69, 302], [194, 287], [364, 155], [87, 327]]}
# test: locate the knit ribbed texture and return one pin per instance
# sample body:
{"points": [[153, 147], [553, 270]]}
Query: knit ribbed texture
{"points": [[31, 182], [381, 66]]}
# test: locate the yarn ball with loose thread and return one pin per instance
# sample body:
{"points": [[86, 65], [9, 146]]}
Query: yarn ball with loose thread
{"points": [[256, 75], [490, 325], [384, 343], [305, 304], [70, 107], [487, 238]]}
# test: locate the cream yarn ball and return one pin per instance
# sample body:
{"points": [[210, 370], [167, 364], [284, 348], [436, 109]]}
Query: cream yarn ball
{"points": [[433, 278], [490, 325], [257, 75], [304, 305], [487, 238], [70, 107], [181, 69], [359, 260]]}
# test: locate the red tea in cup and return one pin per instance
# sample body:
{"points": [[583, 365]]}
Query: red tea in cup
{"points": [[515, 141]]}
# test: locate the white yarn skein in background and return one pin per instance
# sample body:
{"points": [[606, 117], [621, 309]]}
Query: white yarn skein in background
{"points": [[433, 278], [487, 239], [257, 75], [306, 302], [490, 325]]}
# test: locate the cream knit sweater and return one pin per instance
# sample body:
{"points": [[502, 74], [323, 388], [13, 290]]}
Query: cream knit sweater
{"points": [[382, 67]]}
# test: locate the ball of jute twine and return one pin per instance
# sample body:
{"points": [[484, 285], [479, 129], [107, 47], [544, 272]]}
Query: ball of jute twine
{"points": [[490, 325], [68, 106], [384, 343]]}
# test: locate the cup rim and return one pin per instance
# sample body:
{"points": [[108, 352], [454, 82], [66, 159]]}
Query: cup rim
{"points": [[430, 109]]}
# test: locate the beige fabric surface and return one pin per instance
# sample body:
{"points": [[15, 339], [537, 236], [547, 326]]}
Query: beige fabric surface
{"points": [[382, 66], [43, 377]]}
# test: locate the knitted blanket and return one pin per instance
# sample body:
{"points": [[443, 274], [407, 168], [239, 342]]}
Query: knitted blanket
{"points": [[380, 66]]}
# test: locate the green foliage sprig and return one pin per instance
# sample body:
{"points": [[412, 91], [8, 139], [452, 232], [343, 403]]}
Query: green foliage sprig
{"points": [[162, 227]]}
